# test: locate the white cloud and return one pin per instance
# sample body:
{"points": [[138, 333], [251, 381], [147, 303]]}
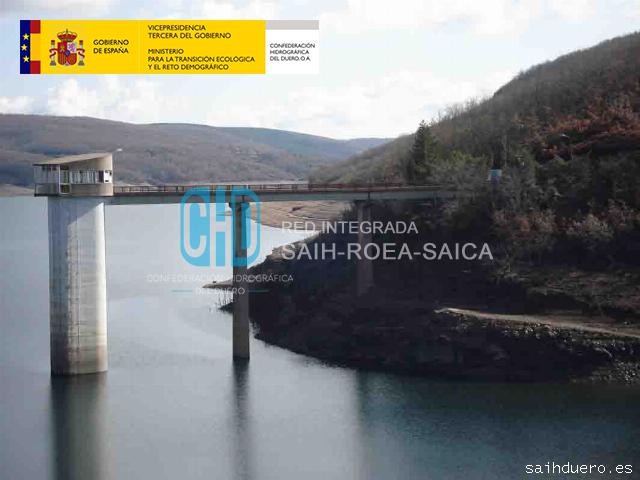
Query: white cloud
{"points": [[383, 106], [69, 98], [21, 104], [386, 106], [116, 98], [254, 10], [629, 8], [221, 9], [573, 11], [85, 7], [486, 17]]}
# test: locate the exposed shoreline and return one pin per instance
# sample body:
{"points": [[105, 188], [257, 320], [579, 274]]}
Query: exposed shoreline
{"points": [[278, 214], [402, 330], [451, 344], [9, 190]]}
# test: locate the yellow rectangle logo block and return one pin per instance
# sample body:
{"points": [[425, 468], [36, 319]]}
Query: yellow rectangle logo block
{"points": [[143, 46]]}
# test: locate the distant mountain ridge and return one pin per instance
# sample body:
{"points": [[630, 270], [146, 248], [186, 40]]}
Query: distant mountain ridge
{"points": [[169, 153]]}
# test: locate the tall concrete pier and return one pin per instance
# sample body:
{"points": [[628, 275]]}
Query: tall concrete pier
{"points": [[240, 285], [77, 188], [364, 266], [77, 285]]}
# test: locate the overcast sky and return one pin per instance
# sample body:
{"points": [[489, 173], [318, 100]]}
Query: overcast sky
{"points": [[384, 64]]}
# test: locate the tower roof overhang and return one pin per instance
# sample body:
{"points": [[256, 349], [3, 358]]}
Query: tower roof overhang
{"points": [[93, 161]]}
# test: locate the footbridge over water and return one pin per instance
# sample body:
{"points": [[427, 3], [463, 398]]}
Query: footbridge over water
{"points": [[78, 189]]}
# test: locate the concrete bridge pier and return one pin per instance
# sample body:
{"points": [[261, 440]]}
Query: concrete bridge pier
{"points": [[364, 266], [240, 285], [77, 285]]}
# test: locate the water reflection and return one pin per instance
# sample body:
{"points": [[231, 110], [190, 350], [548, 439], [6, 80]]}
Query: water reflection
{"points": [[78, 420], [174, 407], [363, 418], [242, 448]]}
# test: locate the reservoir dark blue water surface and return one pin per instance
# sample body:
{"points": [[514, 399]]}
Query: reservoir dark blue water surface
{"points": [[174, 406]]}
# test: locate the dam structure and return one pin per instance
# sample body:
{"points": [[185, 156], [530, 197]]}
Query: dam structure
{"points": [[79, 188]]}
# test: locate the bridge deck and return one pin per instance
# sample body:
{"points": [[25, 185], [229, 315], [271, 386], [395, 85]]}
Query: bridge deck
{"points": [[281, 192]]}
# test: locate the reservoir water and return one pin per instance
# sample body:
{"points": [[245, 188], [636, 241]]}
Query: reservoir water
{"points": [[174, 406]]}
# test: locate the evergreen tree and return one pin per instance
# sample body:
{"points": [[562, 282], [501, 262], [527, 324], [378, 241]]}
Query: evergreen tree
{"points": [[422, 156]]}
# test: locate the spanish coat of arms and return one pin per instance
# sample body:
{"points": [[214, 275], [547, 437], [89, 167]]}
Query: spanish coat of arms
{"points": [[67, 51]]}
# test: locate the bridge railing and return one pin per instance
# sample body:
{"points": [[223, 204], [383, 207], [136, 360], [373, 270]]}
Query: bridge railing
{"points": [[272, 187]]}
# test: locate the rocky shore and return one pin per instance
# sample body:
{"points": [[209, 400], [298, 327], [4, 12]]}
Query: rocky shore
{"points": [[414, 330], [449, 344]]}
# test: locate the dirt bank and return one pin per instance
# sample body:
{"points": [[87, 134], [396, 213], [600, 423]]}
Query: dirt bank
{"points": [[462, 324], [275, 214]]}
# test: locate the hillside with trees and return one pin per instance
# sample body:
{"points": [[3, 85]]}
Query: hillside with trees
{"points": [[583, 103], [549, 174], [168, 153], [565, 136]]}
